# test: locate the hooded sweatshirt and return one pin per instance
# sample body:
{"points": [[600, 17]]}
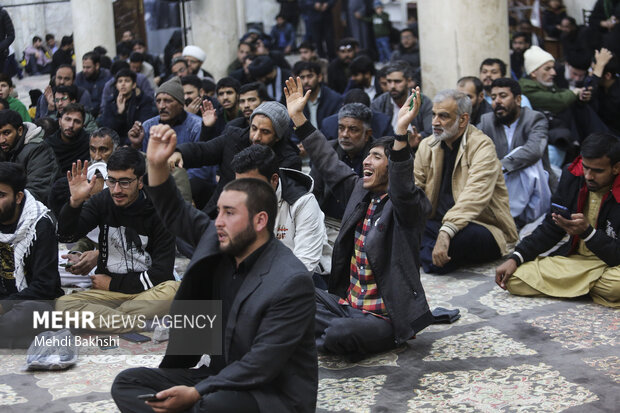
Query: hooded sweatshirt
{"points": [[135, 248], [300, 221], [37, 158]]}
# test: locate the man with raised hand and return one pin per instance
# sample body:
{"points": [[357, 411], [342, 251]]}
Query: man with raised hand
{"points": [[377, 250], [269, 360]]}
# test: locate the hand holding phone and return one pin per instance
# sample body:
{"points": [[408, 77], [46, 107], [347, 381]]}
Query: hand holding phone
{"points": [[561, 210], [149, 397]]}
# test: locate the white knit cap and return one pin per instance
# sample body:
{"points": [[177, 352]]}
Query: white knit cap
{"points": [[195, 51], [535, 57]]}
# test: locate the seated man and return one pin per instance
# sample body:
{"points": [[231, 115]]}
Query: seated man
{"points": [[459, 171], [362, 70], [491, 69], [6, 87], [22, 143], [251, 95], [65, 95], [572, 119], [215, 120], [136, 260], [352, 147], [520, 138], [29, 257], [299, 222], [270, 361], [270, 125], [84, 253], [472, 87], [367, 308], [70, 142], [381, 124], [63, 76], [37, 62], [400, 80], [323, 101], [587, 262], [93, 78], [606, 88], [129, 105], [170, 102]]}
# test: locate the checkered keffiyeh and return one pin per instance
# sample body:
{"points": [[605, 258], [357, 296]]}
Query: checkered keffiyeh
{"points": [[24, 236], [363, 292]]}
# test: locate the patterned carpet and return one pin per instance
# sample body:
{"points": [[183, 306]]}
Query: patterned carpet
{"points": [[505, 354]]}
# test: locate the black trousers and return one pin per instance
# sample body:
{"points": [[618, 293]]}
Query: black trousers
{"points": [[474, 244], [133, 382], [346, 330], [16, 324]]}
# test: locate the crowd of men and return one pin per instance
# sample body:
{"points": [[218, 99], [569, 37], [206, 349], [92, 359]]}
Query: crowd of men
{"points": [[307, 196]]}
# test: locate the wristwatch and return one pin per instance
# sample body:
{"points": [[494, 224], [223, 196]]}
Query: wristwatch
{"points": [[402, 138]]}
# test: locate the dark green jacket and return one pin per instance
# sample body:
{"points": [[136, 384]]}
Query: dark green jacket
{"points": [[544, 98]]}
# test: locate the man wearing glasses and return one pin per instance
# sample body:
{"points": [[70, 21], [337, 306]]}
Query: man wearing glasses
{"points": [[63, 96], [134, 275]]}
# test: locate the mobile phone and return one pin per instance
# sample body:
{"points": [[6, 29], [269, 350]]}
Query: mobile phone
{"points": [[102, 347], [135, 337], [66, 264], [150, 397], [561, 210]]}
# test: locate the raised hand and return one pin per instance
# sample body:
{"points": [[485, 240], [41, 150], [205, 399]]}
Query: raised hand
{"points": [[120, 103], [208, 113], [407, 112], [78, 183], [601, 58], [296, 100], [194, 105], [162, 142], [136, 135]]}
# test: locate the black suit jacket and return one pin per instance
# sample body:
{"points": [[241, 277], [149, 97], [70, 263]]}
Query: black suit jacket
{"points": [[269, 346]]}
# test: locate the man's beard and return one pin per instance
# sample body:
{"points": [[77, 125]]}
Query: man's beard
{"points": [[73, 137], [508, 117], [8, 213], [240, 242], [449, 132]]}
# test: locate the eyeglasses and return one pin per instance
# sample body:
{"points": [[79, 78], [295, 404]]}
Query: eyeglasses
{"points": [[347, 47], [124, 183], [62, 99]]}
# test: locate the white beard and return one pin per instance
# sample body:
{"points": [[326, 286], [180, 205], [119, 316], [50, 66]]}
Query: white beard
{"points": [[448, 132]]}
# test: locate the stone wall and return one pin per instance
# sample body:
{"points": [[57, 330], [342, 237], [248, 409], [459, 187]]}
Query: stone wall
{"points": [[30, 20]]}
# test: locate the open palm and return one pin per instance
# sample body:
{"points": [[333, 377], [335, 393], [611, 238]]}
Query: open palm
{"points": [[78, 182], [295, 98]]}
